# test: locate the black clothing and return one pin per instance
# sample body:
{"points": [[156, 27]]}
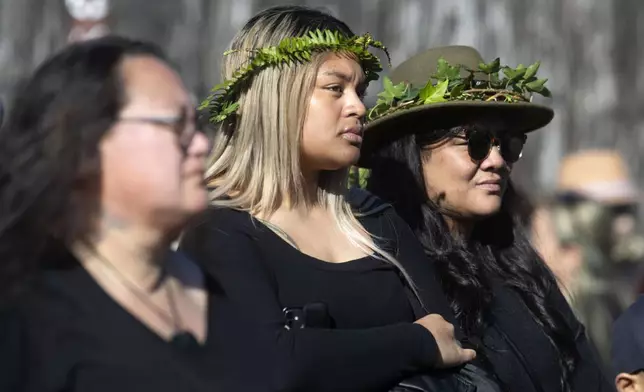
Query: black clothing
{"points": [[371, 344], [67, 334], [521, 355]]}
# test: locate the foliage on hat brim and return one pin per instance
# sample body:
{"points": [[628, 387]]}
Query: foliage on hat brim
{"points": [[223, 100], [498, 84]]}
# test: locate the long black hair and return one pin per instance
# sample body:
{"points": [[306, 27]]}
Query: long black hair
{"points": [[498, 247], [49, 154]]}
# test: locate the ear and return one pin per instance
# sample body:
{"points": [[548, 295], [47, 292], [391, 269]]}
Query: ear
{"points": [[626, 382]]}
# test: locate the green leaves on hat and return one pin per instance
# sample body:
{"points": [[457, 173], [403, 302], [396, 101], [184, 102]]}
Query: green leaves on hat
{"points": [[446, 71], [491, 82], [433, 93], [223, 100]]}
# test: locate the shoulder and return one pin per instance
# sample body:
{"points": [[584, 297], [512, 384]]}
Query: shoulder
{"points": [[57, 298], [633, 316], [40, 325], [365, 203], [224, 237], [216, 216], [371, 209], [220, 222], [53, 291], [628, 340]]}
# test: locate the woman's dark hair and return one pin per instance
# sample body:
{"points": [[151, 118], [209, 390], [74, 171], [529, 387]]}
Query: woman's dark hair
{"points": [[499, 246], [50, 150], [307, 19]]}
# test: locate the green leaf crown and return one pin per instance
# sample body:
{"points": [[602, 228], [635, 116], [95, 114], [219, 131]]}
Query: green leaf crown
{"points": [[222, 102], [491, 82]]}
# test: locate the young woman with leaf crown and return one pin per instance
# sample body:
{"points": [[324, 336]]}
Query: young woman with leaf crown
{"points": [[440, 145], [284, 239]]}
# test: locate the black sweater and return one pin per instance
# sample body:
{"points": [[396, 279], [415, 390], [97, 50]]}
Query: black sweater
{"points": [[371, 342]]}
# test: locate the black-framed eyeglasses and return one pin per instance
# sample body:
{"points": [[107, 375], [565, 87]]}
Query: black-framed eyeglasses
{"points": [[480, 143], [184, 125]]}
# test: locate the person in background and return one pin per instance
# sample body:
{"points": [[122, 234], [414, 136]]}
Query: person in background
{"points": [[594, 221], [441, 143], [101, 166], [628, 349], [563, 256]]}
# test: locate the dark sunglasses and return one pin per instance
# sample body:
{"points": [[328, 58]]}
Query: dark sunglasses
{"points": [[184, 126], [479, 144]]}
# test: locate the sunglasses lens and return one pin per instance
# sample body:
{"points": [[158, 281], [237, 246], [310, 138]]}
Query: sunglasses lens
{"points": [[478, 145], [512, 148]]}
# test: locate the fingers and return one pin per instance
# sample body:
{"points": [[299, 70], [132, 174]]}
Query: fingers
{"points": [[468, 355]]}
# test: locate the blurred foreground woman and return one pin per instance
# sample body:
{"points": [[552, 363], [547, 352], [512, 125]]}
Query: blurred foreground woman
{"points": [[101, 166]]}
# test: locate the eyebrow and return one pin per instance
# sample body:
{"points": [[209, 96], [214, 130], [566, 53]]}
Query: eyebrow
{"points": [[343, 76]]}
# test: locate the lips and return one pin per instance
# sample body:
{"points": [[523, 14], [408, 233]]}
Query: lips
{"points": [[491, 185], [353, 134]]}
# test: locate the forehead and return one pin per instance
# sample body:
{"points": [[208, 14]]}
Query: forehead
{"points": [[339, 64], [149, 81]]}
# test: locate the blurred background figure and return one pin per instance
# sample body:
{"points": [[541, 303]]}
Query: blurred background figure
{"points": [[588, 234], [628, 349], [89, 19]]}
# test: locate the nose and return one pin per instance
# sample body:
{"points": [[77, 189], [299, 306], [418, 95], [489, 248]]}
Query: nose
{"points": [[355, 107], [494, 161], [199, 145]]}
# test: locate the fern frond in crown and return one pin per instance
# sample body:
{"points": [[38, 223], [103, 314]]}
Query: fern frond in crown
{"points": [[222, 102]]}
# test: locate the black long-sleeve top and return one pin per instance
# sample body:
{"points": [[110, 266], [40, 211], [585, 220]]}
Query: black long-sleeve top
{"points": [[372, 342]]}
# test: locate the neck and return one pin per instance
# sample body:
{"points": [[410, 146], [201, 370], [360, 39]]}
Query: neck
{"points": [[311, 182], [310, 202], [137, 252]]}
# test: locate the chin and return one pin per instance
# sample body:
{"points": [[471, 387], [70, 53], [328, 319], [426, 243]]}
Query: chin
{"points": [[343, 161], [487, 207], [351, 156], [196, 203]]}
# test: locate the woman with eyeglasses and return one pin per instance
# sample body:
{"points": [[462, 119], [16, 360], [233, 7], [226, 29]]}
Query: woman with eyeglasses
{"points": [[440, 148], [101, 166]]}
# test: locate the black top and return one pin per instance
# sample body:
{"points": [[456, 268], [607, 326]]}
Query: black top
{"points": [[519, 352], [522, 355], [371, 342], [628, 339], [68, 334]]}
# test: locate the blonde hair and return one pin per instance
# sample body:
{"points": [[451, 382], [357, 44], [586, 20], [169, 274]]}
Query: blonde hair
{"points": [[255, 163]]}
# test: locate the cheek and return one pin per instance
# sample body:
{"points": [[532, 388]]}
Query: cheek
{"points": [[146, 173], [319, 120], [448, 173], [320, 143]]}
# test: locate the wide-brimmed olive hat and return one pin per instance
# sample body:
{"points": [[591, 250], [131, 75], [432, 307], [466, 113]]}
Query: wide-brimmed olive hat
{"points": [[450, 86]]}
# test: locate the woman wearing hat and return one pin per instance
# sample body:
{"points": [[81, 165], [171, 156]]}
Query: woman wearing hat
{"points": [[440, 145]]}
